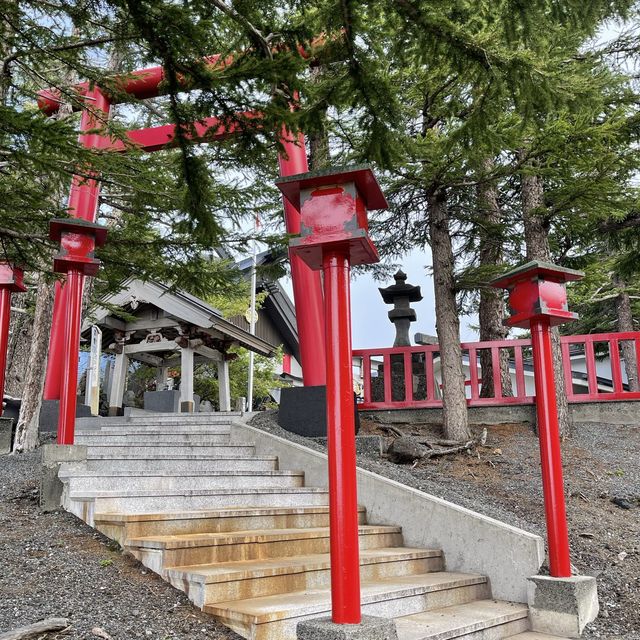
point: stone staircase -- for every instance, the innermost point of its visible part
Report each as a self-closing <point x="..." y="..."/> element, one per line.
<point x="249" y="543"/>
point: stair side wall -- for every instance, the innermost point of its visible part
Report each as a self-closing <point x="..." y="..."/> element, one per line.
<point x="471" y="542"/>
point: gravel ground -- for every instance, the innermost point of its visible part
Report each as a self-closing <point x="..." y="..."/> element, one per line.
<point x="502" y="480"/>
<point x="53" y="565"/>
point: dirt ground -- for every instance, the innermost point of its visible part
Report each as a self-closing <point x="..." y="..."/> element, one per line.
<point x="601" y="469"/>
<point x="53" y="565"/>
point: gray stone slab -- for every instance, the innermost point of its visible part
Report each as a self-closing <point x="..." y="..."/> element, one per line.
<point x="371" y="628"/>
<point x="6" y="435"/>
<point x="562" y="606"/>
<point x="53" y="456"/>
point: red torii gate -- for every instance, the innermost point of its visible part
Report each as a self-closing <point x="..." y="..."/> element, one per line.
<point x="78" y="240"/>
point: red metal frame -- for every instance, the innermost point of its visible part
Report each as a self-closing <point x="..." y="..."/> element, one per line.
<point x="592" y="394"/>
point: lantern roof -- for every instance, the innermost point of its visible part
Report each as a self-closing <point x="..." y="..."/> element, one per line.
<point x="536" y="269"/>
<point x="360" y="174"/>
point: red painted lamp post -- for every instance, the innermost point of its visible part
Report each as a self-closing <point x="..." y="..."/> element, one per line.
<point x="11" y="279"/>
<point x="77" y="238"/>
<point x="538" y="301"/>
<point x="83" y="204"/>
<point x="334" y="235"/>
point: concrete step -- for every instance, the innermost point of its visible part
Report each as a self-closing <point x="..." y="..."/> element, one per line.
<point x="207" y="584"/>
<point x="129" y="428"/>
<point x="85" y="480"/>
<point x="162" y="418"/>
<point x="478" y="620"/>
<point x="123" y="526"/>
<point x="161" y="552"/>
<point x="168" y="450"/>
<point x="154" y="437"/>
<point x="181" y="464"/>
<point x="85" y="504"/>
<point x="271" y="617"/>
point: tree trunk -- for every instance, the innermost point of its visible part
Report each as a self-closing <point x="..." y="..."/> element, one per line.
<point x="455" y="423"/>
<point x="26" y="437"/>
<point x="625" y="323"/>
<point x="19" y="345"/>
<point x="491" y="307"/>
<point x="536" y="236"/>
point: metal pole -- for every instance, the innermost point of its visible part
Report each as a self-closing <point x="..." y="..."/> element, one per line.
<point x="252" y="326"/>
<point x="5" y="316"/>
<point x="343" y="498"/>
<point x="83" y="204"/>
<point x="307" y="285"/>
<point x="69" y="387"/>
<point x="550" y="454"/>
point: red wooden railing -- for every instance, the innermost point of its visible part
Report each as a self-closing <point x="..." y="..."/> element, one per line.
<point x="415" y="379"/>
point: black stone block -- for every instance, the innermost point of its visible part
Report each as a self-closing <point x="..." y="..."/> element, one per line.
<point x="49" y="414"/>
<point x="303" y="410"/>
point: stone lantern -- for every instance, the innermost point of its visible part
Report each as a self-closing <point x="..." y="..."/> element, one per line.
<point x="400" y="295"/>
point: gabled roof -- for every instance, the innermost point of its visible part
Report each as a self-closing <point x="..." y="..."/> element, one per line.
<point x="179" y="305"/>
<point x="278" y="304"/>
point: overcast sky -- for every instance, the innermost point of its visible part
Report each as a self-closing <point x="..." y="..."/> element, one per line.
<point x="369" y="321"/>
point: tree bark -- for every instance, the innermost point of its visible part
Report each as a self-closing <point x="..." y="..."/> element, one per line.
<point x="455" y="418"/>
<point x="536" y="236"/>
<point x="625" y="323"/>
<point x="491" y="308"/>
<point x="19" y="345"/>
<point x="26" y="437"/>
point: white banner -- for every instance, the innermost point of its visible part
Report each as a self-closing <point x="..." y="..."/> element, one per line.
<point x="92" y="393"/>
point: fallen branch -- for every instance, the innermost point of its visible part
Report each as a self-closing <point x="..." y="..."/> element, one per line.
<point x="445" y="452"/>
<point x="396" y="431"/>
<point x="44" y="626"/>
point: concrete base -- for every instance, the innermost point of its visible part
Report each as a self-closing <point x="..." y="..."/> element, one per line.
<point x="303" y="410"/>
<point x="49" y="414"/>
<point x="6" y="435"/>
<point x="610" y="412"/>
<point x="370" y="628"/>
<point x="562" y="606"/>
<point x="54" y="455"/>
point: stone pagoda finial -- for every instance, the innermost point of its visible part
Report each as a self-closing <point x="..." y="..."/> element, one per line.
<point x="402" y="315"/>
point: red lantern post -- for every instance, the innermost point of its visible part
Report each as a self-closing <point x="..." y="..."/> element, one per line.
<point x="333" y="209"/>
<point x="11" y="279"/>
<point x="77" y="238"/>
<point x="83" y="204"/>
<point x="538" y="301"/>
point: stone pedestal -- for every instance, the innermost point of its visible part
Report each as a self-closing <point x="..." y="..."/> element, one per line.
<point x="50" y="409"/>
<point x="371" y="628"/>
<point x="53" y="456"/>
<point x="6" y="435"/>
<point x="562" y="606"/>
<point x="303" y="410"/>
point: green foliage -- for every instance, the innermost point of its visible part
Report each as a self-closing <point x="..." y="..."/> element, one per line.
<point x="264" y="378"/>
